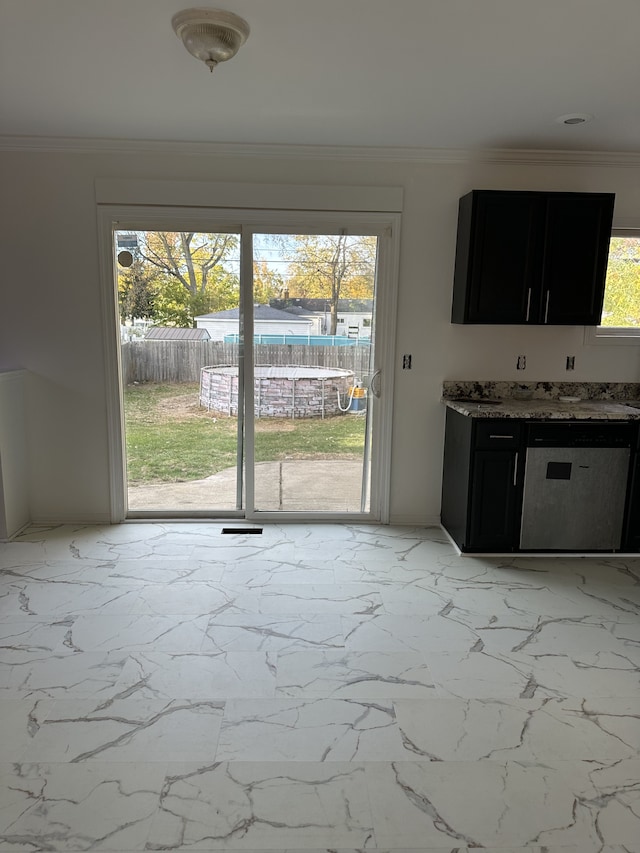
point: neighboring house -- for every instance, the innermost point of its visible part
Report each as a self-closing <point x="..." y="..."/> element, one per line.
<point x="314" y="317"/>
<point x="170" y="333"/>
<point x="354" y="315"/>
<point x="266" y="321"/>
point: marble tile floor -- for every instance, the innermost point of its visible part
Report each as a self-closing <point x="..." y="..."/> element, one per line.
<point x="316" y="688"/>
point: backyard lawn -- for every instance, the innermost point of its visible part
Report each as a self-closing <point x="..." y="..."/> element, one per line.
<point x="170" y="438"/>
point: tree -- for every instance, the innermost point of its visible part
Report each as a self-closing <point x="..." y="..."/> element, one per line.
<point x="172" y="306"/>
<point x="137" y="290"/>
<point x="195" y="261"/>
<point x="622" y="290"/>
<point x="330" y="267"/>
<point x="267" y="284"/>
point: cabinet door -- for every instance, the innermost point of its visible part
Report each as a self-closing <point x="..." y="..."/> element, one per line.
<point x="577" y="234"/>
<point x="455" y="475"/>
<point x="493" y="506"/>
<point x="496" y="266"/>
<point x="632" y="521"/>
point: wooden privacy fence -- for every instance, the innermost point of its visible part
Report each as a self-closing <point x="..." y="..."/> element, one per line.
<point x="182" y="361"/>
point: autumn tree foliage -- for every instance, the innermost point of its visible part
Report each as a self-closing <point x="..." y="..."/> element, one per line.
<point x="331" y="267"/>
<point x="137" y="290"/>
<point x="195" y="273"/>
<point x="178" y="275"/>
<point x="267" y="283"/>
<point x="622" y="291"/>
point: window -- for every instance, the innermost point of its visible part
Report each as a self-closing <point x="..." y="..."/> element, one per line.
<point x="621" y="308"/>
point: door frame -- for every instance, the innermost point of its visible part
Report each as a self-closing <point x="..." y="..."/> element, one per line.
<point x="385" y="225"/>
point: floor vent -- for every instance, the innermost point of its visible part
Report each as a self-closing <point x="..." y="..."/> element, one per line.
<point x="242" y="530"/>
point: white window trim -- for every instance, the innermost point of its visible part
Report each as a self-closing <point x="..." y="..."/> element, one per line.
<point x="219" y="195"/>
<point x="384" y="224"/>
<point x="615" y="335"/>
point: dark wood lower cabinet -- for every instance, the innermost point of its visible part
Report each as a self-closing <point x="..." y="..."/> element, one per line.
<point x="632" y="520"/>
<point x="484" y="478"/>
<point x="482" y="482"/>
<point x="493" y="501"/>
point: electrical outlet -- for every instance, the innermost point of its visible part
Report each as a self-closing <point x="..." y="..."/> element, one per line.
<point x="406" y="362"/>
<point x="571" y="362"/>
<point x="521" y="362"/>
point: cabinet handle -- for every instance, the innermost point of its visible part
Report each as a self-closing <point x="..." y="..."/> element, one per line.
<point x="501" y="436"/>
<point x="528" y="305"/>
<point x="515" y="470"/>
<point x="546" y="310"/>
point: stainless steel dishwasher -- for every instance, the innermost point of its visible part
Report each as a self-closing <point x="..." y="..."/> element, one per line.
<point x="575" y="486"/>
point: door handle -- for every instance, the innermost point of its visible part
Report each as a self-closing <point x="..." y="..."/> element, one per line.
<point x="528" y="305"/>
<point x="515" y="469"/>
<point x="373" y="385"/>
<point x="546" y="309"/>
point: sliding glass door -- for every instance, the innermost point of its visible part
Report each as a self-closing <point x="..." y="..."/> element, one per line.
<point x="249" y="369"/>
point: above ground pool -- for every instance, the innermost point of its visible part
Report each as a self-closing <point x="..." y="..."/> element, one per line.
<point x="293" y="391"/>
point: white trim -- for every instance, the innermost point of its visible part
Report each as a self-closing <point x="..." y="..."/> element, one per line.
<point x="384" y="353"/>
<point x="16" y="533"/>
<point x="211" y="194"/>
<point x="126" y="217"/>
<point x="415" y="521"/>
<point x="395" y="154"/>
<point x="622" y="226"/>
<point x="283" y="517"/>
<point x="385" y="225"/>
<point x="247" y="365"/>
<point x="112" y="368"/>
<point x="184" y="515"/>
<point x="611" y="336"/>
<point x="52" y="519"/>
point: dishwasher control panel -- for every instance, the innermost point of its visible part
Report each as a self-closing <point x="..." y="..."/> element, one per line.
<point x="572" y="434"/>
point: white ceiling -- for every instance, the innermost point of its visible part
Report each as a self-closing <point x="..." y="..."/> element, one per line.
<point x="425" y="73"/>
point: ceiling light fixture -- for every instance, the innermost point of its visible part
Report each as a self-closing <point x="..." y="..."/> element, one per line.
<point x="210" y="35"/>
<point x="574" y="118"/>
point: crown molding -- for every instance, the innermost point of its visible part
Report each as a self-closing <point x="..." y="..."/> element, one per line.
<point x="391" y="154"/>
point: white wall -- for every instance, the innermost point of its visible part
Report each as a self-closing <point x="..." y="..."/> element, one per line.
<point x="50" y="319"/>
<point x="14" y="497"/>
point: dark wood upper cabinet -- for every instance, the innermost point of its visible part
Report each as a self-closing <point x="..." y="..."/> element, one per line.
<point x="532" y="258"/>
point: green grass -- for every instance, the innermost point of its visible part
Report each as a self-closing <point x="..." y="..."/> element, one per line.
<point x="171" y="439"/>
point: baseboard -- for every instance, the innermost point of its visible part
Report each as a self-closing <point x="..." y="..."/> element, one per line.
<point x="415" y="521"/>
<point x="15" y="533"/>
<point x="98" y="518"/>
<point x="50" y="520"/>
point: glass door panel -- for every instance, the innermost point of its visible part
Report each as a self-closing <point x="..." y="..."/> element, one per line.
<point x="313" y="356"/>
<point x="178" y="298"/>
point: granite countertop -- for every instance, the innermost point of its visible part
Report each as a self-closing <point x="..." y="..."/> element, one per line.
<point x="599" y="401"/>
<point x="585" y="410"/>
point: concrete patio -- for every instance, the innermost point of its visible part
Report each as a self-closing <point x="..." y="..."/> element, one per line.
<point x="292" y="486"/>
